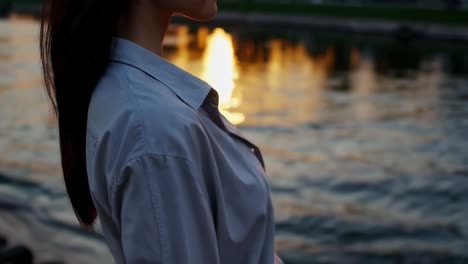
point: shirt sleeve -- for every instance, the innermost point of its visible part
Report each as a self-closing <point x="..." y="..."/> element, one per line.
<point x="163" y="215"/>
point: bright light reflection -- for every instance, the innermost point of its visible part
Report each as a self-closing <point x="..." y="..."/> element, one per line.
<point x="220" y="71"/>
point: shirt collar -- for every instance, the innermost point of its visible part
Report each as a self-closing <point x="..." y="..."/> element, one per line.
<point x="186" y="86"/>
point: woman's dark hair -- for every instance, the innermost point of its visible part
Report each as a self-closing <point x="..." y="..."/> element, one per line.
<point x="76" y="42"/>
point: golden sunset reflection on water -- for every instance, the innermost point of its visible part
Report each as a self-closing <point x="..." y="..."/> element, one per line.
<point x="221" y="72"/>
<point x="253" y="81"/>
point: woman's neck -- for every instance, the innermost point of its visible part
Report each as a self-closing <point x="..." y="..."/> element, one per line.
<point x="145" y="27"/>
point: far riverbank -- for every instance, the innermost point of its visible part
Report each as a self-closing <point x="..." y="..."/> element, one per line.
<point x="407" y="24"/>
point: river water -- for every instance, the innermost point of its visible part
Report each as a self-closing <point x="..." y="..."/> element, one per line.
<point x="365" y="140"/>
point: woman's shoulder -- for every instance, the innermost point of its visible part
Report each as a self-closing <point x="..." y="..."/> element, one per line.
<point x="136" y="114"/>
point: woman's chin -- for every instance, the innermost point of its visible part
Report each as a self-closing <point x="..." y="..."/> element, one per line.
<point x="204" y="15"/>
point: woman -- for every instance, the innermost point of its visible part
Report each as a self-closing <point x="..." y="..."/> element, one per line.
<point x="143" y="144"/>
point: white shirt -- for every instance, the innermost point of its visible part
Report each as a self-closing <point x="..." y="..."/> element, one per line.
<point x="172" y="180"/>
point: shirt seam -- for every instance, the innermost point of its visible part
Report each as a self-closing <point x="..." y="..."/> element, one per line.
<point x="131" y="97"/>
<point x="116" y="180"/>
<point x="91" y="132"/>
<point x="138" y="125"/>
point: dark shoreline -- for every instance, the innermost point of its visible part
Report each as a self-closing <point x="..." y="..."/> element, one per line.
<point x="400" y="29"/>
<point x="409" y="30"/>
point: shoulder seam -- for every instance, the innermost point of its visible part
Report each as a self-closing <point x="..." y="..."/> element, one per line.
<point x="139" y="123"/>
<point x="115" y="180"/>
